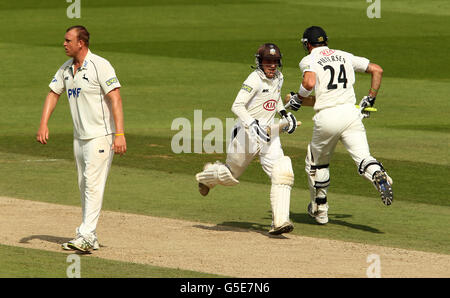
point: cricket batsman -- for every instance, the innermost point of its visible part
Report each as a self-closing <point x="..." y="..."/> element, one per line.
<point x="92" y="90"/>
<point x="330" y="73"/>
<point x="255" y="106"/>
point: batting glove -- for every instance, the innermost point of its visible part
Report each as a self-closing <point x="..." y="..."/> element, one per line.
<point x="292" y="123"/>
<point x="260" y="133"/>
<point x="367" y="101"/>
<point x="294" y="102"/>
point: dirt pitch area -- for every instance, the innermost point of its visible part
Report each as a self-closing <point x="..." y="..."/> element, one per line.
<point x="207" y="247"/>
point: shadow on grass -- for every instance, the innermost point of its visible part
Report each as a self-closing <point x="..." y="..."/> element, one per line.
<point x="154" y="153"/>
<point x="333" y="219"/>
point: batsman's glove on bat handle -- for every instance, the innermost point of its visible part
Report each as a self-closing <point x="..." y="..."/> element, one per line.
<point x="291" y="120"/>
<point x="367" y="101"/>
<point x="294" y="102"/>
<point x="260" y="133"/>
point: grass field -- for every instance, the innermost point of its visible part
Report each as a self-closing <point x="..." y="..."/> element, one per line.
<point x="174" y="57"/>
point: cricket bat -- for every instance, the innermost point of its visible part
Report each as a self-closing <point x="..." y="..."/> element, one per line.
<point x="367" y="109"/>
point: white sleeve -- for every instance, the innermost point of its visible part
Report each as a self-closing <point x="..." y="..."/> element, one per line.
<point x="305" y="65"/>
<point x="57" y="83"/>
<point x="248" y="90"/>
<point x="107" y="77"/>
<point x="360" y="64"/>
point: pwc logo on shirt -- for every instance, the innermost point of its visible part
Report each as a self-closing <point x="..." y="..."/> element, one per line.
<point x="74" y="92"/>
<point x="270" y="105"/>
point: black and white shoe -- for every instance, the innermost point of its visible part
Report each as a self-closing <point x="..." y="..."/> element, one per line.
<point x="383" y="185"/>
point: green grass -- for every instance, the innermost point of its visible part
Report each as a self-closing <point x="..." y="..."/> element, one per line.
<point x="173" y="57"/>
<point x="357" y="218"/>
<point x="19" y="262"/>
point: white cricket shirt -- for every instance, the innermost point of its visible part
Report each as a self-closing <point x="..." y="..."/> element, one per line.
<point x="91" y="110"/>
<point x="259" y="98"/>
<point x="335" y="75"/>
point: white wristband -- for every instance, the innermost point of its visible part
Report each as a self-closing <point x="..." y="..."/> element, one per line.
<point x="303" y="92"/>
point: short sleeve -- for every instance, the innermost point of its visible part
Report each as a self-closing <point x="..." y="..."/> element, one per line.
<point x="107" y="77"/>
<point x="360" y="64"/>
<point x="57" y="83"/>
<point x="305" y="65"/>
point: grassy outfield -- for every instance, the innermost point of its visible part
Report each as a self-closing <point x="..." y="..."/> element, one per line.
<point x="18" y="262"/>
<point x="174" y="57"/>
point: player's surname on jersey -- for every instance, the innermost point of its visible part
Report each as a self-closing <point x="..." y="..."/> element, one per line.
<point x="330" y="59"/>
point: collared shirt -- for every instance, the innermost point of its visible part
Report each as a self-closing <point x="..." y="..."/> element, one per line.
<point x="259" y="98"/>
<point x="335" y="75"/>
<point x="86" y="89"/>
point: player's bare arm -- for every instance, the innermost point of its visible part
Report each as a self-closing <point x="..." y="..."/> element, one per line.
<point x="49" y="106"/>
<point x="308" y="83"/>
<point x="120" y="144"/>
<point x="377" y="72"/>
<point x="308" y="101"/>
<point x="303" y="98"/>
<point x="368" y="101"/>
<point x="309" y="80"/>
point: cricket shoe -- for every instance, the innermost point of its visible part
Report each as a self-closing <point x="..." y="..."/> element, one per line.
<point x="96" y="245"/>
<point x="287" y="227"/>
<point x="383" y="184"/>
<point x="319" y="212"/>
<point x="81" y="243"/>
<point x="203" y="189"/>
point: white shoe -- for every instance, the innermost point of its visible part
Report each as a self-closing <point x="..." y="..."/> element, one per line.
<point x="319" y="212"/>
<point x="96" y="245"/>
<point x="81" y="243"/>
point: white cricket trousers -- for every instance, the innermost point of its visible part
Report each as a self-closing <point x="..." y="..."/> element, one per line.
<point x="93" y="159"/>
<point x="341" y="123"/>
<point x="243" y="149"/>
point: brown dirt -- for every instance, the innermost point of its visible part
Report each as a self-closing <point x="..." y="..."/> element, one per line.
<point x="206" y="247"/>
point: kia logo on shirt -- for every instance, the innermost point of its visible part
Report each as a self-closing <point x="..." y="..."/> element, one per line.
<point x="269" y="105"/>
<point x="75" y="92"/>
<point x="327" y="52"/>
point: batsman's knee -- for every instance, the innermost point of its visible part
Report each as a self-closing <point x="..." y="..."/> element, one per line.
<point x="282" y="172"/>
<point x="321" y="176"/>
